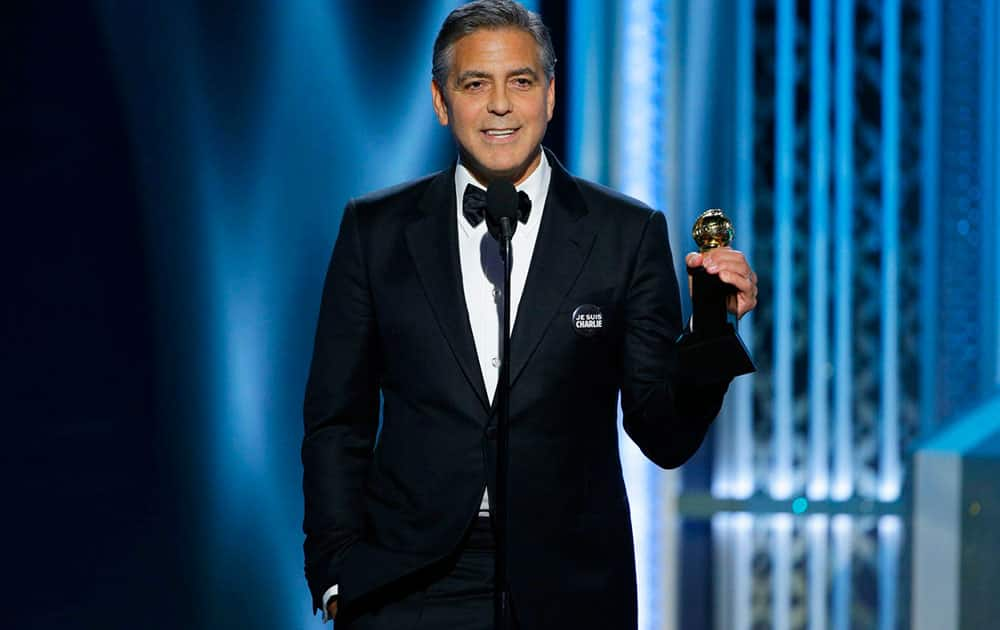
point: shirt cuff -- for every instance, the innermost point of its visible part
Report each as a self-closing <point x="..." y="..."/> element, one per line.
<point x="327" y="596"/>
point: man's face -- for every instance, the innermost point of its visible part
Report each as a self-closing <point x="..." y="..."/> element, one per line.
<point x="497" y="103"/>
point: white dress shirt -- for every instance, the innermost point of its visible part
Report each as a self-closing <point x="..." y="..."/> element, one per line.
<point x="482" y="272"/>
<point x="482" y="280"/>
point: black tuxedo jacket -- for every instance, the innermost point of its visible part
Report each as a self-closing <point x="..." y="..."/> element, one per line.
<point x="384" y="499"/>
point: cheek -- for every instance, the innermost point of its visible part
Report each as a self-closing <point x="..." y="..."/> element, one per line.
<point x="468" y="122"/>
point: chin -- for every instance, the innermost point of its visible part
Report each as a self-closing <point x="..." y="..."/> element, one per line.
<point x="507" y="169"/>
<point x="504" y="166"/>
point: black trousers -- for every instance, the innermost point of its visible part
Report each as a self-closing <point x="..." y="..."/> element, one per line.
<point x="455" y="594"/>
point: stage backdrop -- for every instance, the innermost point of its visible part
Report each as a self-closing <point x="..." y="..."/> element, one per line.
<point x="211" y="148"/>
<point x="853" y="142"/>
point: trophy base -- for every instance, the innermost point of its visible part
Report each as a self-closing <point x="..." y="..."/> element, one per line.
<point x="715" y="359"/>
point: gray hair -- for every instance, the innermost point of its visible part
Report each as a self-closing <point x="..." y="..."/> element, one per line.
<point x="489" y="14"/>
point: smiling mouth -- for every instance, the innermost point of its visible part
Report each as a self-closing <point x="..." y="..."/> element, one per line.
<point x="499" y="133"/>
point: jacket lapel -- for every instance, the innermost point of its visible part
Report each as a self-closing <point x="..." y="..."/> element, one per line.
<point x="433" y="242"/>
<point x="564" y="241"/>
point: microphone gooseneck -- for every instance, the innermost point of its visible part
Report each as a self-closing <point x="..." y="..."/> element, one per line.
<point x="501" y="221"/>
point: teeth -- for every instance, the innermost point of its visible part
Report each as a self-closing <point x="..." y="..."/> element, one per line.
<point x="499" y="132"/>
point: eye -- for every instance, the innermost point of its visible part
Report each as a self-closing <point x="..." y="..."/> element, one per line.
<point x="473" y="86"/>
<point x="522" y="82"/>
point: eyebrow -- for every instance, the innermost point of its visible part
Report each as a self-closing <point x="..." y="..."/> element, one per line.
<point x="479" y="74"/>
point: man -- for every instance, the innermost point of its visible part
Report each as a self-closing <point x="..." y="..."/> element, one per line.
<point x="397" y="519"/>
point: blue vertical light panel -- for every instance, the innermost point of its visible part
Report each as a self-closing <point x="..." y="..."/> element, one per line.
<point x="586" y="71"/>
<point x="842" y="486"/>
<point x="840" y="591"/>
<point x="994" y="35"/>
<point x="781" y="571"/>
<point x="817" y="532"/>
<point x="637" y="171"/>
<point x="819" y="465"/>
<point x="889" y="546"/>
<point x="740" y="478"/>
<point x="990" y="241"/>
<point x="732" y="563"/>
<point x="889" y="464"/>
<point x="784" y="208"/>
<point x="930" y="198"/>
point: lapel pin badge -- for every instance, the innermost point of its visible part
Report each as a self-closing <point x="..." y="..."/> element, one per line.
<point x="587" y="320"/>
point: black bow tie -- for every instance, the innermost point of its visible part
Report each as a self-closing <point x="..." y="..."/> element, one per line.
<point x="474" y="205"/>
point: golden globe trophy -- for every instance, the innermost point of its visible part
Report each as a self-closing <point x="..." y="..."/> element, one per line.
<point x="712" y="351"/>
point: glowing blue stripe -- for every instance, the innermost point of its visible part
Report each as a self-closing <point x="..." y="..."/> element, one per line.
<point x="721" y="569"/>
<point x="889" y="542"/>
<point x="637" y="171"/>
<point x="929" y="233"/>
<point x="989" y="93"/>
<point x="740" y="479"/>
<point x="819" y="187"/>
<point x="587" y="107"/>
<point x="742" y="593"/>
<point x="781" y="571"/>
<point x="840" y="591"/>
<point x="995" y="176"/>
<point x="843" y="468"/>
<point x="732" y="560"/>
<point x="781" y="480"/>
<point x="817" y="580"/>
<point x="889" y="466"/>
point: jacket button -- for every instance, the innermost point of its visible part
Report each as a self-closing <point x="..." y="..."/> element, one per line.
<point x="491" y="432"/>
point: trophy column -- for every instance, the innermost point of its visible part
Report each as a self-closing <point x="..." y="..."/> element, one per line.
<point x="712" y="350"/>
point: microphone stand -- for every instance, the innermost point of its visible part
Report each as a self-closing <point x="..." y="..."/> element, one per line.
<point x="501" y="610"/>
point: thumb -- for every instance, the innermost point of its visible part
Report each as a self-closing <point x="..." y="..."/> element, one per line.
<point x="693" y="259"/>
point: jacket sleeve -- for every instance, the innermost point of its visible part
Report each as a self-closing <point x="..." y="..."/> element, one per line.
<point x="341" y="412"/>
<point x="667" y="420"/>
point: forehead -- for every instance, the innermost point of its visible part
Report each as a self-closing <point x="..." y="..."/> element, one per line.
<point x="496" y="50"/>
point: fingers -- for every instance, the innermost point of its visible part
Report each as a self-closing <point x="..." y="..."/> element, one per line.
<point x="732" y="268"/>
<point x="723" y="257"/>
<point x="743" y="283"/>
<point x="730" y="265"/>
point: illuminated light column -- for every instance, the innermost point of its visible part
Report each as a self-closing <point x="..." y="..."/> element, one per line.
<point x="741" y="525"/>
<point x="722" y="570"/>
<point x="994" y="177"/>
<point x="990" y="94"/>
<point x="889" y="542"/>
<point x="732" y="537"/>
<point x="732" y="463"/>
<point x="840" y="592"/>
<point x="817" y="530"/>
<point x="781" y="571"/>
<point x="637" y="171"/>
<point x="842" y="486"/>
<point x="784" y="207"/>
<point x="819" y="188"/>
<point x="930" y="199"/>
<point x="588" y="109"/>
<point x="889" y="465"/>
<point x="740" y="479"/>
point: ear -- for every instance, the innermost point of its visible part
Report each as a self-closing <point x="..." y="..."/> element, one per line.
<point x="440" y="104"/>
<point x="551" y="97"/>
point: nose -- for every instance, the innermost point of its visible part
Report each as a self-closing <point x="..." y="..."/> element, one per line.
<point x="498" y="103"/>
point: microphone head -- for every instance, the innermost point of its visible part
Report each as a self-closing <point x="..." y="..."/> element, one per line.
<point x="501" y="203"/>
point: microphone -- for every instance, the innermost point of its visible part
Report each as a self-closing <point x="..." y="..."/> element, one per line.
<point x="501" y="221"/>
<point x="501" y="210"/>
